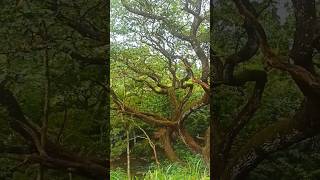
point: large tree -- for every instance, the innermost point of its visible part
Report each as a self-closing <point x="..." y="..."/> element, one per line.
<point x="234" y="157"/>
<point x="171" y="62"/>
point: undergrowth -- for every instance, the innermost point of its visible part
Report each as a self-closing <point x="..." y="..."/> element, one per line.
<point x="194" y="168"/>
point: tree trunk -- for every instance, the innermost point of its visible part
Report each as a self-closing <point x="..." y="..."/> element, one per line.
<point x="128" y="154"/>
<point x="166" y="141"/>
<point x="206" y="149"/>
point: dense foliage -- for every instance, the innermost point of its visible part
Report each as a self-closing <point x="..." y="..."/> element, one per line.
<point x="53" y="105"/>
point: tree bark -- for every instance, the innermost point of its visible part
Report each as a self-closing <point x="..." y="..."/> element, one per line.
<point x="166" y="141"/>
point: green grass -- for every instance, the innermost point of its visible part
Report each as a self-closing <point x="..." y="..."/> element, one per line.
<point x="118" y="174"/>
<point x="193" y="169"/>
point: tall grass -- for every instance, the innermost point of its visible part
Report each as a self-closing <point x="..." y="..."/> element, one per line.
<point x="193" y="169"/>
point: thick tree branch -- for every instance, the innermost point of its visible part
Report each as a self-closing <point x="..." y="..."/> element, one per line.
<point x="185" y="136"/>
<point x="189" y="141"/>
<point x="17" y="120"/>
<point x="149" y="118"/>
<point x="247" y="112"/>
<point x="307" y="82"/>
<point x="81" y="166"/>
<point x="246" y="52"/>
<point x="52" y="155"/>
<point x="275" y="137"/>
